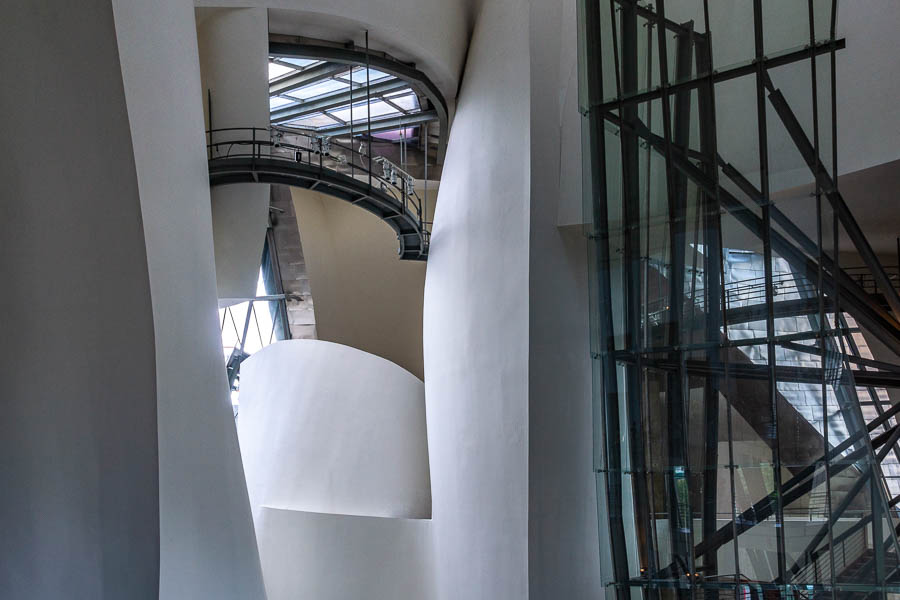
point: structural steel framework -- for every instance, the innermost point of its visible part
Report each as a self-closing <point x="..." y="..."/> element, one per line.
<point x="744" y="428"/>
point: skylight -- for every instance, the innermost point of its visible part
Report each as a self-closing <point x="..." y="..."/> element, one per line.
<point x="324" y="102"/>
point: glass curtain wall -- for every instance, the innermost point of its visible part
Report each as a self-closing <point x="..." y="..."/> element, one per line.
<point x="743" y="426"/>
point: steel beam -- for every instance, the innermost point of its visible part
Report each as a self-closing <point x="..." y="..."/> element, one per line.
<point x="827" y="184"/>
<point x="299" y="47"/>
<point x="723" y="75"/>
<point x="309" y="76"/>
<point x="383" y="124"/>
<point x="334" y="100"/>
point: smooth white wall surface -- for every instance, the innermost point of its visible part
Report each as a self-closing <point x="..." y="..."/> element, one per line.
<point x="79" y="507"/>
<point x="366" y="297"/>
<point x="208" y="545"/>
<point x="314" y="556"/>
<point x="563" y="545"/>
<point x="476" y="321"/>
<point x="234" y="51"/>
<point x="332" y="429"/>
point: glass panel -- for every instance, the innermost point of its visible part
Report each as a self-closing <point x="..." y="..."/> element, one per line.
<point x="409" y="102"/>
<point x="377" y="108"/>
<point x="742" y="454"/>
<point x="359" y="75"/>
<point x="300" y="62"/>
<point x="317" y="89"/>
<point x="313" y="121"/>
<point x="276" y="71"/>
<point x="279" y="102"/>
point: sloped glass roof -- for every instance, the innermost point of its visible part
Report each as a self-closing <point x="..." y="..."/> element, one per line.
<point x="316" y="95"/>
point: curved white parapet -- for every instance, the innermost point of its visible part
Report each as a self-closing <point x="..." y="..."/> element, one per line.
<point x="331" y="429"/>
<point x="314" y="556"/>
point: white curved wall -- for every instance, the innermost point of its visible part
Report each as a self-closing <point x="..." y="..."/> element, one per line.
<point x="365" y="296"/>
<point x="476" y="321"/>
<point x="315" y="556"/>
<point x="331" y="429"/>
<point x="79" y="511"/>
<point x="208" y="547"/>
<point x="336" y="457"/>
<point x="234" y="50"/>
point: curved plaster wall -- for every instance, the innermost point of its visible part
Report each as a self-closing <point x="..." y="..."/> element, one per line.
<point x="79" y="508"/>
<point x="365" y="296"/>
<point x="336" y="456"/>
<point x="331" y="429"/>
<point x="234" y="50"/>
<point x="316" y="556"/>
<point x="476" y="321"/>
<point x="432" y="33"/>
<point x="208" y="549"/>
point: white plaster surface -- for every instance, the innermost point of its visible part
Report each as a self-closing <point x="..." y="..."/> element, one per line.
<point x="476" y="321"/>
<point x="208" y="548"/>
<point x="365" y="296"/>
<point x="234" y="50"/>
<point x="79" y="506"/>
<point x="314" y="556"/>
<point x="332" y="429"/>
<point x="563" y="545"/>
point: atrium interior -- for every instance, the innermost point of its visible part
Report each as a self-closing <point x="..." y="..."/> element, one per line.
<point x="450" y="299"/>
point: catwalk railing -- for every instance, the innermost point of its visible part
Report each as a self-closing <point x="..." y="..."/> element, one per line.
<point x="321" y="163"/>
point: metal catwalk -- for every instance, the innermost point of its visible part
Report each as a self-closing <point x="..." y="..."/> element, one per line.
<point x="746" y="441"/>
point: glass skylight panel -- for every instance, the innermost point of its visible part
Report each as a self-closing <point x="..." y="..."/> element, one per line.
<point x="300" y="62"/>
<point x="378" y="108"/>
<point x="312" y="121"/>
<point x="276" y="71"/>
<point x="318" y="89"/>
<point x="408" y="102"/>
<point x="396" y="134"/>
<point x="278" y="102"/>
<point x="359" y="75"/>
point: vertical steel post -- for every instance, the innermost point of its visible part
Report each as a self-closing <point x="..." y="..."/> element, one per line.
<point x="611" y="460"/>
<point x="713" y="288"/>
<point x="627" y="75"/>
<point x="769" y="289"/>
<point x="368" y="111"/>
<point x="680" y="512"/>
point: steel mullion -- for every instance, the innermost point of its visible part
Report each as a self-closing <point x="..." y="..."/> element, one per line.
<point x="881" y="324"/>
<point x="590" y="32"/>
<point x="627" y="78"/>
<point x="726" y="74"/>
<point x="713" y="291"/>
<point x="677" y="386"/>
<point x="854" y="232"/>
<point x="799" y="485"/>
<point x="767" y="260"/>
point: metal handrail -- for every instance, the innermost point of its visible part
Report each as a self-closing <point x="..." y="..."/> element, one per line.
<point x="325" y="153"/>
<point x="751" y="291"/>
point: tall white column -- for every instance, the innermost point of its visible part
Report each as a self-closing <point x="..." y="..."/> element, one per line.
<point x="234" y="50"/>
<point x="476" y="322"/>
<point x="208" y="548"/>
